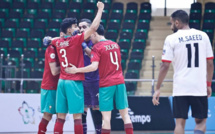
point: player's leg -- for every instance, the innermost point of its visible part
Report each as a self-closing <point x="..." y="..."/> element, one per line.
<point x="199" y="106"/>
<point x="84" y="120"/>
<point x="180" y="111"/>
<point x="61" y="107"/>
<point x="122" y="104"/>
<point x="106" y="127"/>
<point x="48" y="99"/>
<point x="96" y="114"/>
<point x="179" y="126"/>
<point x="106" y="95"/>
<point x="75" y="98"/>
<point x="97" y="119"/>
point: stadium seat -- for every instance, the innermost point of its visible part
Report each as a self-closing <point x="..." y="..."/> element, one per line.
<point x="38" y="40"/>
<point x="138" y="45"/>
<point x="131" y="15"/>
<point x="7" y="34"/>
<point x="54" y="24"/>
<point x="37" y="34"/>
<point x="114" y="25"/>
<point x="4" y="5"/>
<point x="131" y="87"/>
<point x="17" y="44"/>
<point x="196" y="8"/>
<point x="32" y="5"/>
<point x="136" y="54"/>
<point x="140" y="35"/>
<point x="52" y="33"/>
<point x="134" y="64"/>
<point x="14" y="53"/>
<point x="21" y="34"/>
<point x="9" y="40"/>
<point x="124" y="45"/>
<point x="131" y="75"/>
<point x="47" y="5"/>
<point x="116" y="15"/>
<point x="60" y="5"/>
<point x="126" y="35"/>
<point x="128" y="24"/>
<point x="41" y="54"/>
<point x="123" y="64"/>
<point x="74" y="13"/>
<point x="111" y="35"/>
<point x="58" y="15"/>
<point x="4" y="44"/>
<point x="117" y="5"/>
<point x="33" y="44"/>
<point x="39" y="64"/>
<point x="36" y="74"/>
<point x="32" y="87"/>
<point x="132" y="6"/>
<point x="124" y="54"/>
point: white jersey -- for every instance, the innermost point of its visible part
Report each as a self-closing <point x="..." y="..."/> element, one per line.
<point x="188" y="50"/>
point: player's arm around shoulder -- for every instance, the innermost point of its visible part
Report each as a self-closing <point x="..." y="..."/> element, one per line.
<point x="96" y="21"/>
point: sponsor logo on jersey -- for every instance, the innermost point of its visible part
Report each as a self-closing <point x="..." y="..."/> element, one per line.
<point x="27" y="113"/>
<point x="52" y="55"/>
<point x="136" y="118"/>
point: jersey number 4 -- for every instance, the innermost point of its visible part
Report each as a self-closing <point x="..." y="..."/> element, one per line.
<point x="112" y="61"/>
<point x="189" y="54"/>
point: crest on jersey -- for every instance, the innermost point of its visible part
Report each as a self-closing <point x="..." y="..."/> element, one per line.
<point x="52" y="55"/>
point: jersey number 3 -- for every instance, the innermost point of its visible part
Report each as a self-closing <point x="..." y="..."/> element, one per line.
<point x="112" y="61"/>
<point x="64" y="56"/>
<point x="189" y="54"/>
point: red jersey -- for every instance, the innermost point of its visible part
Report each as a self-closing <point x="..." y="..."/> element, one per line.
<point x="107" y="53"/>
<point x="69" y="51"/>
<point x="49" y="81"/>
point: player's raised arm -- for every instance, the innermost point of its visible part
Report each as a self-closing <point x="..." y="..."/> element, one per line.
<point x="96" y="21"/>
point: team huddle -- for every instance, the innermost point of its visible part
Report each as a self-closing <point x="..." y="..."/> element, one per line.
<point x="86" y="75"/>
<point x="83" y="70"/>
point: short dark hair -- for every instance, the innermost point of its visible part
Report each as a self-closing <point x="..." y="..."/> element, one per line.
<point x="180" y="15"/>
<point x="100" y="30"/>
<point x="86" y="20"/>
<point x="66" y="23"/>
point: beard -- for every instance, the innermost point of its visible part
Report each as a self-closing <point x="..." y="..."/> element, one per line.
<point x="175" y="29"/>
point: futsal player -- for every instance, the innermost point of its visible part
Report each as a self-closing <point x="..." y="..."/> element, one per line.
<point x="48" y="87"/>
<point x="190" y="52"/>
<point x="70" y="97"/>
<point x="91" y="83"/>
<point x="106" y="56"/>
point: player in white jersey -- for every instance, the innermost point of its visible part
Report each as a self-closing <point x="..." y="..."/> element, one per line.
<point x="191" y="55"/>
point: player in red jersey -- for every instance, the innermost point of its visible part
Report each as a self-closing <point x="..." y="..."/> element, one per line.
<point x="70" y="97"/>
<point x="48" y="87"/>
<point x="106" y="56"/>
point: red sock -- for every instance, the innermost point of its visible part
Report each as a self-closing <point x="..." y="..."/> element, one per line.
<point x="105" y="131"/>
<point x="128" y="128"/>
<point x="58" y="128"/>
<point x="78" y="126"/>
<point x="42" y="126"/>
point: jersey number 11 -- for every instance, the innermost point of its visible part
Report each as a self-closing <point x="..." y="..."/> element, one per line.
<point x="189" y="54"/>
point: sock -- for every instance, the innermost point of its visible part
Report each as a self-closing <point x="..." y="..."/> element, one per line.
<point x="105" y="131"/>
<point x="42" y="126"/>
<point x="128" y="128"/>
<point x="84" y="122"/>
<point x="78" y="126"/>
<point x="198" y="132"/>
<point x="97" y="119"/>
<point x="58" y="128"/>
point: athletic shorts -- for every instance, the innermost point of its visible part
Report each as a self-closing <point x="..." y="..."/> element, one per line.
<point x="70" y="97"/>
<point x="107" y="95"/>
<point x="48" y="101"/>
<point x="199" y="106"/>
<point x="91" y="92"/>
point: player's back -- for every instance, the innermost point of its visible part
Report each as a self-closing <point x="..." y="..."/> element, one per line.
<point x="109" y="57"/>
<point x="70" y="51"/>
<point x="49" y="81"/>
<point x="188" y="50"/>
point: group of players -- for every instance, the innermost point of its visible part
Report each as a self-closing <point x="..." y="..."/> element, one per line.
<point x="86" y="70"/>
<point x="83" y="70"/>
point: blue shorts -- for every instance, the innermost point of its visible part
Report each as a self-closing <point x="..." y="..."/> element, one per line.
<point x="91" y="92"/>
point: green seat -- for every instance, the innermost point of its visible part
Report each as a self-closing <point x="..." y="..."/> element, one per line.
<point x="145" y="11"/>
<point x="195" y="21"/>
<point x="92" y="1"/>
<point x="33" y="49"/>
<point x="112" y="30"/>
<point x="61" y="11"/>
<point x="104" y="22"/>
<point x="65" y="1"/>
<point x="22" y="39"/>
<point x="51" y="1"/>
<point x="117" y="11"/>
<point x="15" y="20"/>
<point x="144" y="21"/>
<point x="7" y="39"/>
<point x="142" y="30"/>
<point x="47" y="11"/>
<point x="209" y="11"/>
<point x="37" y="1"/>
<point x="32" y="11"/>
<point x="57" y="20"/>
<point x="5" y="10"/>
<point x="140" y="40"/>
<point x="17" y="49"/>
<point x="74" y="10"/>
<point x="2" y="21"/>
<point x="55" y="29"/>
<point x="209" y="21"/>
<point x="125" y="40"/>
<point x="5" y="50"/>
<point x="127" y="30"/>
<point x="16" y="60"/>
<point x="131" y="11"/>
<point x="31" y="60"/>
<point x="137" y="50"/>
<point x="37" y="39"/>
<point x="39" y="69"/>
<point x="115" y="20"/>
<point x="130" y="21"/>
<point x="21" y="11"/>
<point x="25" y="29"/>
<point x="123" y="64"/>
<point x="213" y="93"/>
<point x="195" y="11"/>
<point x="88" y="10"/>
<point x="78" y="1"/>
<point x="29" y="20"/>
